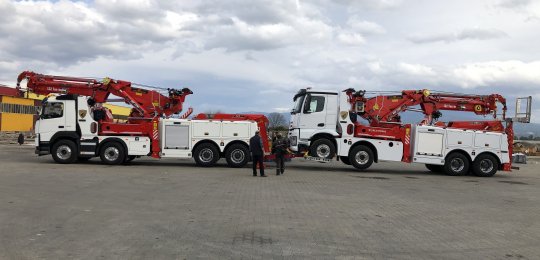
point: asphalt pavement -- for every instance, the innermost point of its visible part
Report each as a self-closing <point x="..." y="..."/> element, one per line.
<point x="172" y="209"/>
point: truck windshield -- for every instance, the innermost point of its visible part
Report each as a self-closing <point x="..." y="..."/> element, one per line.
<point x="298" y="104"/>
<point x="52" y="110"/>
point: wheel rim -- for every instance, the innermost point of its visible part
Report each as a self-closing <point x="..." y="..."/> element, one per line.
<point x="206" y="155"/>
<point x="457" y="164"/>
<point x="112" y="153"/>
<point x="361" y="157"/>
<point x="237" y="156"/>
<point x="63" y="152"/>
<point x="486" y="165"/>
<point x="323" y="151"/>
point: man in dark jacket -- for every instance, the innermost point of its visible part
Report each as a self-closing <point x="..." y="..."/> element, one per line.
<point x="20" y="139"/>
<point x="280" y="150"/>
<point x="257" y="153"/>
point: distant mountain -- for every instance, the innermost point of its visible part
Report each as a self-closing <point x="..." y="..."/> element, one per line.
<point x="527" y="129"/>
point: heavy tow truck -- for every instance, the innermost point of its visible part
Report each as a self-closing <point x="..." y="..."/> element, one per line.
<point x="359" y="129"/>
<point x="75" y="126"/>
<point x="351" y="126"/>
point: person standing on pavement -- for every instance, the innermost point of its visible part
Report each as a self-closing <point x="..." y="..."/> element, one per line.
<point x="257" y="153"/>
<point x="280" y="150"/>
<point x="274" y="139"/>
<point x="20" y="139"/>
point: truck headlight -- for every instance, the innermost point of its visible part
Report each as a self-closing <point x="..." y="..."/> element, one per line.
<point x="293" y="140"/>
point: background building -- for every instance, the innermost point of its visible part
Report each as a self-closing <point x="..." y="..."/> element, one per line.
<point x="16" y="113"/>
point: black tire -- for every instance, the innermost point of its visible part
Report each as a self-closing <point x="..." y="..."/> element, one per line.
<point x="345" y="160"/>
<point x="485" y="165"/>
<point x="112" y="153"/>
<point x="237" y="155"/>
<point x="361" y="157"/>
<point x="65" y="152"/>
<point x="206" y="155"/>
<point x="435" y="168"/>
<point x="456" y="164"/>
<point x="322" y="148"/>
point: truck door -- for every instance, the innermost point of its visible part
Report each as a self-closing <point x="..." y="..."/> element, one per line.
<point x="51" y="120"/>
<point x="313" y="116"/>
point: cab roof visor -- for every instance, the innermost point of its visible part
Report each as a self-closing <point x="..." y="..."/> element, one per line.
<point x="301" y="92"/>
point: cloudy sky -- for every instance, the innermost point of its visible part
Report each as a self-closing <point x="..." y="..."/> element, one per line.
<point x="252" y="55"/>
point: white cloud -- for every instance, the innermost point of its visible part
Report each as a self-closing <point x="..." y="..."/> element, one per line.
<point x="416" y="69"/>
<point x="499" y="73"/>
<point x="366" y="27"/>
<point x="373" y="4"/>
<point x="243" y="36"/>
<point x="376" y="67"/>
<point x="529" y="8"/>
<point x="514" y="3"/>
<point x="465" y="34"/>
<point x="351" y="38"/>
<point x="67" y="32"/>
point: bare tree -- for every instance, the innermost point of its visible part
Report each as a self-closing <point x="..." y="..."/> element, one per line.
<point x="276" y="120"/>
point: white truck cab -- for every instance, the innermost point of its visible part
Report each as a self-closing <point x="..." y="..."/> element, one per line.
<point x="314" y="117"/>
<point x="63" y="116"/>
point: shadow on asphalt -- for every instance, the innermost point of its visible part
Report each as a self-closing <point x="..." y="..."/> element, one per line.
<point x="372" y="173"/>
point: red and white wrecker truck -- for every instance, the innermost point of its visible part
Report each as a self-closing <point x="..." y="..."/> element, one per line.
<point x="75" y="126"/>
<point x="360" y="130"/>
<point x="351" y="126"/>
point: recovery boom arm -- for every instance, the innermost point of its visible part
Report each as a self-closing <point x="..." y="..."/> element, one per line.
<point x="146" y="103"/>
<point x="382" y="109"/>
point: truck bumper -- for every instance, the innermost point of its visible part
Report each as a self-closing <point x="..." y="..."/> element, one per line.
<point x="295" y="143"/>
<point x="298" y="146"/>
<point x="43" y="148"/>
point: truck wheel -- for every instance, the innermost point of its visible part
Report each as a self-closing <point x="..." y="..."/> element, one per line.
<point x="206" y="155"/>
<point x="112" y="153"/>
<point x="485" y="165"/>
<point x="456" y="164"/>
<point x="435" y="167"/>
<point x="361" y="157"/>
<point x="64" y="151"/>
<point x="345" y="160"/>
<point x="237" y="155"/>
<point x="322" y="148"/>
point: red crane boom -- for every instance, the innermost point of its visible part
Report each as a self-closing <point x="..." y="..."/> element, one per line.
<point x="382" y="109"/>
<point x="146" y="103"/>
